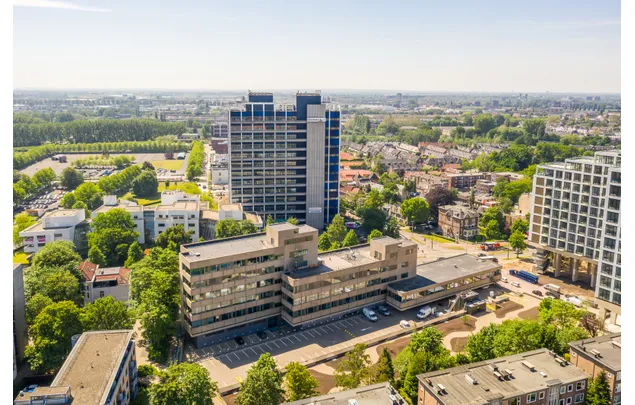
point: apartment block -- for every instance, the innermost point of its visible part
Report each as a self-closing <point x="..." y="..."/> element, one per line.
<point x="376" y="394"/>
<point x="575" y="224"/>
<point x="458" y="222"/>
<point x="602" y="353"/>
<point x="538" y="377"/>
<point x="220" y="129"/>
<point x="248" y="283"/>
<point x="98" y="282"/>
<point x="57" y="225"/>
<point x="101" y="369"/>
<point x="284" y="159"/>
<point x="462" y="181"/>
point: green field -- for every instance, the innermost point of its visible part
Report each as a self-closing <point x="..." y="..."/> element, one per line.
<point x="168" y="164"/>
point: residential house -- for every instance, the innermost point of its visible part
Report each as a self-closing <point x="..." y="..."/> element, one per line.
<point x="458" y="222"/>
<point x="98" y="282"/>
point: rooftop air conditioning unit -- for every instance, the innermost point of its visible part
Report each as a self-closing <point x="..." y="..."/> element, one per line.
<point x="470" y="379"/>
<point x="528" y="365"/>
<point x="441" y="389"/>
<point x="595" y="352"/>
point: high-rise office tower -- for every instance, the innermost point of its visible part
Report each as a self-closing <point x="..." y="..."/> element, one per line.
<point x="575" y="219"/>
<point x="284" y="158"/>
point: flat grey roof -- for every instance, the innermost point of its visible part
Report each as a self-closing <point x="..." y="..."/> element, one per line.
<point x="444" y="270"/>
<point x="337" y="260"/>
<point x="609" y="346"/>
<point x="378" y="394"/>
<point x="459" y="391"/>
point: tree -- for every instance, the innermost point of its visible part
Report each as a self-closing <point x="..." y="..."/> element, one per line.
<point x="51" y="334"/>
<point x="383" y="371"/>
<point x="110" y="230"/>
<point x="559" y="313"/>
<point x="19" y="194"/>
<point x="336" y="230"/>
<point x="89" y="194"/>
<point x="517" y="336"/>
<point x="375" y="233"/>
<point x="599" y="391"/>
<point x="353" y="371"/>
<point x="293" y="221"/>
<point x="299" y="383"/>
<point x="483" y="123"/>
<point x="471" y="199"/>
<point x="391" y="228"/>
<point x="492" y="223"/>
<point x="59" y="255"/>
<point x="146" y="184"/>
<point x="372" y="218"/>
<point x="80" y="205"/>
<point x="350" y="239"/>
<point x="270" y="220"/>
<point x="263" y="384"/>
<point x="96" y="257"/>
<point x="324" y="242"/>
<point x="480" y="345"/>
<point x="147" y="165"/>
<point x="590" y="323"/>
<point x="227" y="228"/>
<point x="20" y="223"/>
<point x="439" y="197"/>
<point x="106" y="314"/>
<point x="174" y="236"/>
<point x="61" y="286"/>
<point x="373" y="199"/>
<point x="184" y="384"/>
<point x="44" y="177"/>
<point x="68" y="200"/>
<point x="517" y="242"/>
<point x="35" y="305"/>
<point x="134" y="254"/>
<point x="415" y="210"/>
<point x="520" y="225"/>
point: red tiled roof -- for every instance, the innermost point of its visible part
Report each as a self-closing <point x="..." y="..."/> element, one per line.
<point x="88" y="270"/>
<point x="346" y="156"/>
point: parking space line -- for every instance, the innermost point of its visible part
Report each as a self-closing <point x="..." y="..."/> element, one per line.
<point x="237" y="358"/>
<point x="289" y="339"/>
<point x="259" y="347"/>
<point x="253" y="351"/>
<point x="311" y="334"/>
<point x="276" y="344"/>
<point x="282" y="341"/>
<point x="296" y="336"/>
<point x="326" y="332"/>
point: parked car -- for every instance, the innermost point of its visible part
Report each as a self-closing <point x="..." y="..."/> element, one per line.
<point x="404" y="324"/>
<point x="516" y="284"/>
<point x="262" y="335"/>
<point x="426" y="312"/>
<point x="504" y="280"/>
<point x="537" y="292"/>
<point x="384" y="310"/>
<point x="240" y="340"/>
<point x="485" y="287"/>
<point x="369" y="314"/>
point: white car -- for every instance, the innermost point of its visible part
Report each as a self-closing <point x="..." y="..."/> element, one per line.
<point x="504" y="280"/>
<point x="425" y="312"/>
<point x="369" y="314"/>
<point x="516" y="284"/>
<point x="404" y="324"/>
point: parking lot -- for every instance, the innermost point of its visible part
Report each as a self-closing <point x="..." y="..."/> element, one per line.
<point x="228" y="362"/>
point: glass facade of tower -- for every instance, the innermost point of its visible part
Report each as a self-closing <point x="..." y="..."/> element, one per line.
<point x="272" y="158"/>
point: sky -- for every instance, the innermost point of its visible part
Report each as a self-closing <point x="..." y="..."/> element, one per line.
<point x="460" y="45"/>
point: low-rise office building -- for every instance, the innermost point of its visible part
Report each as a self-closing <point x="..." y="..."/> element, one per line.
<point x="101" y="370"/>
<point x="537" y="377"/>
<point x="441" y="279"/>
<point x="377" y="394"/>
<point x="57" y="225"/>
<point x="248" y="283"/>
<point x="458" y="222"/>
<point x="100" y="282"/>
<point x="601" y="353"/>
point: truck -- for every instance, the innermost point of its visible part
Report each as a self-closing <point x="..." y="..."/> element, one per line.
<point x="487" y="246"/>
<point x="552" y="287"/>
<point x="524" y="275"/>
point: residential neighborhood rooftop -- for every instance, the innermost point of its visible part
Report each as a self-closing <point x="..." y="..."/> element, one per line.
<point x="605" y="350"/>
<point x="378" y="394"/>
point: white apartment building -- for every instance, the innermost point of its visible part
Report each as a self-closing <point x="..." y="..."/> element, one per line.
<point x="57" y="225"/>
<point x="100" y="282"/>
<point x="575" y="219"/>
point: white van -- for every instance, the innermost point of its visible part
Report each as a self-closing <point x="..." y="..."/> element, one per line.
<point x="425" y="312"/>
<point x="369" y="314"/>
<point x="552" y="287"/>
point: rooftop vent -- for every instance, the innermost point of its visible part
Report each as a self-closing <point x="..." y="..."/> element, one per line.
<point x="470" y="379"/>
<point x="596" y="353"/>
<point x="429" y="382"/>
<point x="353" y="402"/>
<point x="493" y="367"/>
<point x="441" y="389"/>
<point x="527" y="364"/>
<point x="509" y="373"/>
<point x="542" y="373"/>
<point x="498" y="375"/>
<point x="561" y="361"/>
<point x="617" y="344"/>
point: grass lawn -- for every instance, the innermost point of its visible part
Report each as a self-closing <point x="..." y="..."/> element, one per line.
<point x="168" y="164"/>
<point x="438" y="238"/>
<point x="20" y="257"/>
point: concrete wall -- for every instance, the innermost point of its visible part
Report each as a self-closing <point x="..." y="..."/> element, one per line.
<point x="315" y="165"/>
<point x="19" y="319"/>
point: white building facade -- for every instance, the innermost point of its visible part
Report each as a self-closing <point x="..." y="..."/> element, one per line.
<point x="54" y="226"/>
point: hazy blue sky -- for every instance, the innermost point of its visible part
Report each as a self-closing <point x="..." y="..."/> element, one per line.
<point x="460" y="45"/>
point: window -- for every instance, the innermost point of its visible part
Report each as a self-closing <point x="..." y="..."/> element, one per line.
<point x="531" y="398"/>
<point x="515" y="401"/>
<point x="580" y="385"/>
<point x="404" y="264"/>
<point x="570" y="387"/>
<point x="563" y="389"/>
<point x="569" y="400"/>
<point x="609" y="375"/>
<point x="541" y="395"/>
<point x="101" y="294"/>
<point x="561" y="402"/>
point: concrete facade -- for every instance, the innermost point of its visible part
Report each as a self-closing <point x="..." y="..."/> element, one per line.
<point x="575" y="216"/>
<point x="54" y="226"/>
<point x="602" y="353"/>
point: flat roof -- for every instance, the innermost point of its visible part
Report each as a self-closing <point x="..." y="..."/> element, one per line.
<point x="378" y="394"/>
<point x="443" y="271"/>
<point x="609" y="346"/>
<point x="459" y="391"/>
<point x="61" y="213"/>
<point x="92" y="364"/>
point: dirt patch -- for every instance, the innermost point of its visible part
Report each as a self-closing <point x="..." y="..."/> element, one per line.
<point x="230" y="399"/>
<point x="395" y="346"/>
<point x="458" y="344"/>
<point x="507" y="307"/>
<point x="567" y="286"/>
<point x="327" y="382"/>
<point x="530" y="314"/>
